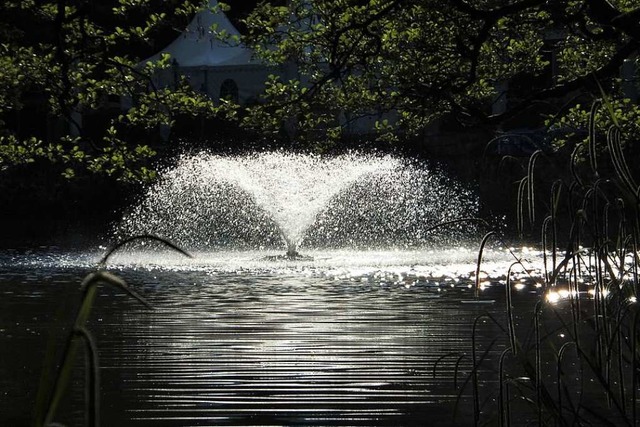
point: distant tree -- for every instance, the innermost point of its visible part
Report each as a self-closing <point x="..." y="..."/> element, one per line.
<point x="420" y="60"/>
<point x="66" y="58"/>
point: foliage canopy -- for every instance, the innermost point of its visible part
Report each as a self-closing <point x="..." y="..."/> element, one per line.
<point x="60" y="59"/>
<point x="401" y="64"/>
<point x="418" y="60"/>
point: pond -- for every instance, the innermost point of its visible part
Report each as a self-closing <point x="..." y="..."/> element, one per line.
<point x="348" y="338"/>
<point x="269" y="324"/>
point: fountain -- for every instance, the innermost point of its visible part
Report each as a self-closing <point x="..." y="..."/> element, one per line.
<point x="237" y="338"/>
<point x="270" y="199"/>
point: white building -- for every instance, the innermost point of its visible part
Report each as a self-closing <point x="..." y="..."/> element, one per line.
<point x="225" y="70"/>
<point x="213" y="66"/>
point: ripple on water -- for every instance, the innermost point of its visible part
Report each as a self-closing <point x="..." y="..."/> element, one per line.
<point x="347" y="339"/>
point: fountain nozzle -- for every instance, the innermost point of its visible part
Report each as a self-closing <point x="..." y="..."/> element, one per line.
<point x="292" y="253"/>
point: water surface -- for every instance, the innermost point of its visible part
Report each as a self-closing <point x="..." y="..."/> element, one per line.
<point x="350" y="338"/>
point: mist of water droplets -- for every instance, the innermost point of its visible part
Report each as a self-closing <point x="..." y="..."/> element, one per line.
<point x="275" y="199"/>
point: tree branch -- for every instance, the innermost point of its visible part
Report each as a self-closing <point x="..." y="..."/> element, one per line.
<point x="565" y="88"/>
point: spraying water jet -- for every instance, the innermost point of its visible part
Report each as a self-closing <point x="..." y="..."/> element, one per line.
<point x="269" y="200"/>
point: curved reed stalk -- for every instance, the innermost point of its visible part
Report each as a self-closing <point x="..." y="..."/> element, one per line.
<point x="600" y="193"/>
<point x="556" y="190"/>
<point x="635" y="347"/>
<point x="619" y="162"/>
<point x="636" y="263"/>
<point x="92" y="392"/>
<point x="522" y="187"/>
<point x="457" y="370"/>
<point x="593" y="160"/>
<point x="105" y="258"/>
<point x="510" y="319"/>
<point x="531" y="199"/>
<point x="503" y="403"/>
<point x="478" y="264"/>
<point x="538" y="360"/>
<point x="503" y="161"/>
<point x="574" y="298"/>
<point x="572" y="165"/>
<point x="477" y="363"/>
<point x="559" y="376"/>
<point x="456" y="367"/>
<point x="574" y="188"/>
<point x="622" y="231"/>
<point x="89" y="288"/>
<point x="545" y="226"/>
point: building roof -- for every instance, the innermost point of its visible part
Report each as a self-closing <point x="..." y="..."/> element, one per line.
<point x="197" y="46"/>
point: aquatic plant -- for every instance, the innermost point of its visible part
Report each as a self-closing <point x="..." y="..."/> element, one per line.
<point x="49" y="401"/>
<point x="574" y="359"/>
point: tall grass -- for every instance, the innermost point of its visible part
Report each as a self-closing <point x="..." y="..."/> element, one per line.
<point x="574" y="360"/>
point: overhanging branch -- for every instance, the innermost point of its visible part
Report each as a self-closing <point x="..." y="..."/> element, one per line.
<point x="566" y="88"/>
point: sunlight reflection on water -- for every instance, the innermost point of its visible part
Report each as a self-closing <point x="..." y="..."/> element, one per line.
<point x="459" y="262"/>
<point x="348" y="338"/>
